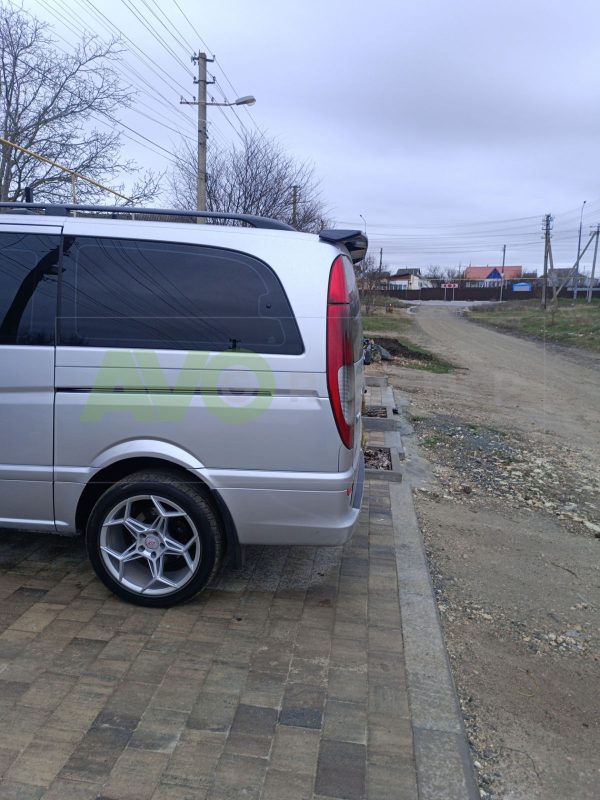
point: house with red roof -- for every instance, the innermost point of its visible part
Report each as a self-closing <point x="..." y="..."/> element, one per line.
<point x="491" y="276"/>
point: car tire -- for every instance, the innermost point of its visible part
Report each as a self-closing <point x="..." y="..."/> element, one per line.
<point x="154" y="539"/>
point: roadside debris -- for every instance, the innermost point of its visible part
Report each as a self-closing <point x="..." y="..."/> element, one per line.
<point x="373" y="352"/>
<point x="475" y="460"/>
<point x="375" y="411"/>
<point x="378" y="458"/>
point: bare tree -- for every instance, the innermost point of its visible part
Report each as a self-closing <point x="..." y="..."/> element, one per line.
<point x="254" y="177"/>
<point x="47" y="102"/>
<point x="455" y="273"/>
<point x="435" y="272"/>
<point x="145" y="188"/>
<point x="368" y="278"/>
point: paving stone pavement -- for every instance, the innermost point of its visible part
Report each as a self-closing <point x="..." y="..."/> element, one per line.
<point x="286" y="680"/>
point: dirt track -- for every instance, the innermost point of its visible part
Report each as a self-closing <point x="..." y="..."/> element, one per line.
<point x="518" y="579"/>
<point x="526" y="385"/>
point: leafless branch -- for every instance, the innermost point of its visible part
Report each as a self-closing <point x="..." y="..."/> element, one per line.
<point x="48" y="103"/>
<point x="255" y="177"/>
<point x="368" y="277"/>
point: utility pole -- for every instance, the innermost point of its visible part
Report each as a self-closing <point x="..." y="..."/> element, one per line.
<point x="576" y="286"/>
<point x="201" y="60"/>
<point x="295" y="189"/>
<point x="502" y="273"/>
<point x="591" y="283"/>
<point x="201" y="82"/>
<point x="575" y="266"/>
<point x="380" y="259"/>
<point x="547" y="228"/>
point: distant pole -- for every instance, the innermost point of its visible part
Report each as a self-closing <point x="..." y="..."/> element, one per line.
<point x="591" y="283"/>
<point x="502" y="274"/>
<point x="380" y="258"/>
<point x="365" y="221"/>
<point x="295" y="205"/>
<point x="547" y="223"/>
<point x="578" y="252"/>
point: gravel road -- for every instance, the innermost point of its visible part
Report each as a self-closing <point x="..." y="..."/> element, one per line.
<point x="523" y="384"/>
<point x="511" y="520"/>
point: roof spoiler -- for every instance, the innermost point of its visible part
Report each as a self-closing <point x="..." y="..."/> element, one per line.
<point x="355" y="242"/>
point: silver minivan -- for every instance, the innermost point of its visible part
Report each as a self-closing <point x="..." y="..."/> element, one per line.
<point x="177" y="391"/>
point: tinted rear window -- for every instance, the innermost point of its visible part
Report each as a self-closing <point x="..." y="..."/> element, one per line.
<point x="144" y="294"/>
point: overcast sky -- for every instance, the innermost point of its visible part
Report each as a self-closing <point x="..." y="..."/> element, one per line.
<point x="451" y="126"/>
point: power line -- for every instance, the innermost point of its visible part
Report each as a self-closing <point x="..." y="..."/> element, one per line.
<point x="140" y="55"/>
<point x="217" y="84"/>
<point x="114" y="120"/>
<point x="171" y="156"/>
<point x="247" y="110"/>
<point x="154" y="33"/>
<point x="150" y="62"/>
<point x="83" y="30"/>
<point x="191" y="24"/>
<point x="217" y="63"/>
<point x="177" y="36"/>
<point x="165" y="103"/>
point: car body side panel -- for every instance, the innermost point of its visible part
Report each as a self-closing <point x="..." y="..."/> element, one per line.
<point x="223" y="422"/>
<point x="26" y="408"/>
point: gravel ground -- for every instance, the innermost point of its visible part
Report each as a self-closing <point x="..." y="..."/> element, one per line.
<point x="510" y="513"/>
<point x="476" y="461"/>
<point x="484" y="467"/>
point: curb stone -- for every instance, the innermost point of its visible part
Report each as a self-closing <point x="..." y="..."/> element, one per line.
<point x="388" y="427"/>
<point x="443" y="759"/>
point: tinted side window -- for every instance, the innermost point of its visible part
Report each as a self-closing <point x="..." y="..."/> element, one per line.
<point x="28" y="277"/>
<point x="161" y="295"/>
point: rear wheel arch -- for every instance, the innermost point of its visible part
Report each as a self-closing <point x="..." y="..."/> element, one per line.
<point x="108" y="476"/>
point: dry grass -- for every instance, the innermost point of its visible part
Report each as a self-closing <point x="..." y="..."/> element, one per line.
<point x="574" y="324"/>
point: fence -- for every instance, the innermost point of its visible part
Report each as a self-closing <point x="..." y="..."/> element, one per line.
<point x="489" y="293"/>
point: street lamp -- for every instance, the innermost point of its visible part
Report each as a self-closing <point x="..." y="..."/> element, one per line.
<point x="365" y="221"/>
<point x="246" y="100"/>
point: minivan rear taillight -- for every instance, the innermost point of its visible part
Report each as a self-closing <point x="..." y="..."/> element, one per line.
<point x="340" y="355"/>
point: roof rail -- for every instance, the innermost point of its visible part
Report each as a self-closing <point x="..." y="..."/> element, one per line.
<point x="64" y="209"/>
<point x="355" y="241"/>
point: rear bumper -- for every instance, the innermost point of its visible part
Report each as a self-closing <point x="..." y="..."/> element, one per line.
<point x="292" y="508"/>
